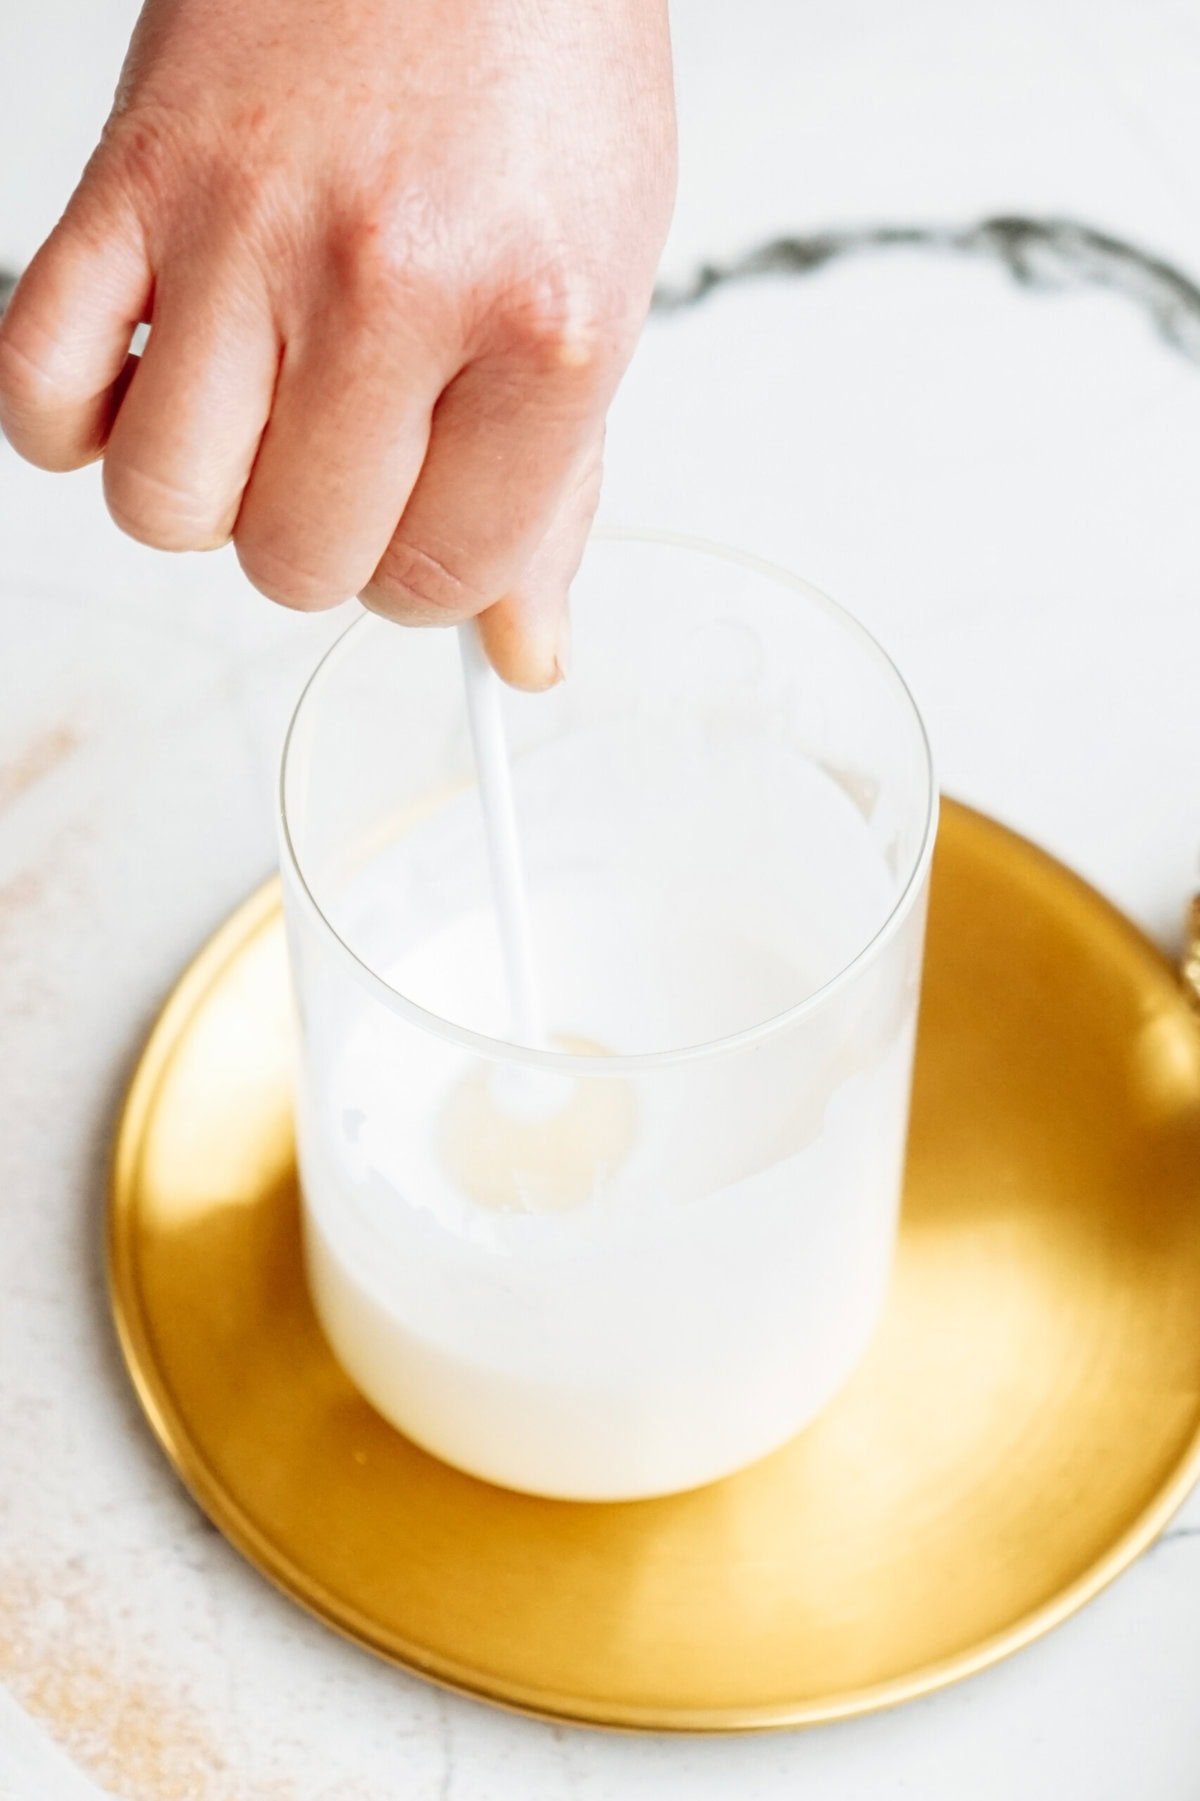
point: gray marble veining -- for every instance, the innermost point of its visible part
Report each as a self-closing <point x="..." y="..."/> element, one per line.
<point x="1038" y="252"/>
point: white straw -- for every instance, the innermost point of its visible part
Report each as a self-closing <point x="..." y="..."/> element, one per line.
<point x="509" y="896"/>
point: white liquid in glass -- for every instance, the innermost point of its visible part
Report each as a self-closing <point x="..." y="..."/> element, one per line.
<point x="573" y="1284"/>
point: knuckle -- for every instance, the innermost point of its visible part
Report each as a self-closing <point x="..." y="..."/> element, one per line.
<point x="285" y="581"/>
<point x="181" y="182"/>
<point x="159" y="512"/>
<point x="563" y="319"/>
<point x="142" y="152"/>
<point x="413" y="584"/>
<point x="382" y="257"/>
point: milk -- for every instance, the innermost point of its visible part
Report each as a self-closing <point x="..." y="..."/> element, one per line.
<point x="635" y="1262"/>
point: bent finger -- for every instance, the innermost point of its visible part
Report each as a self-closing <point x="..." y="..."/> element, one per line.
<point x="183" y="443"/>
<point x="341" y="453"/>
<point x="65" y="336"/>
<point x="527" y="635"/>
<point x="509" y="443"/>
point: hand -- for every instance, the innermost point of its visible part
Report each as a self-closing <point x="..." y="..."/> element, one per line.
<point x="395" y="255"/>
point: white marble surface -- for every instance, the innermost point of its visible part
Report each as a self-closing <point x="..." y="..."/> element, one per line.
<point x="1002" y="485"/>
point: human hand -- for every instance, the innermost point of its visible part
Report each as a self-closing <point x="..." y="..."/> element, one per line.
<point x="395" y="255"/>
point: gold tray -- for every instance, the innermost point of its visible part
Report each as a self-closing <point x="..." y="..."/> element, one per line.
<point x="1025" y="1423"/>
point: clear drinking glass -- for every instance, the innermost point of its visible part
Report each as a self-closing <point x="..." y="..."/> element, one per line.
<point x="636" y="1260"/>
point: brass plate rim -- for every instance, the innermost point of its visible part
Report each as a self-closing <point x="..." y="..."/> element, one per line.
<point x="135" y="1338"/>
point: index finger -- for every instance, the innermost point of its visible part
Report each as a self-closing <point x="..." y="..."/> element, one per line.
<point x="65" y="337"/>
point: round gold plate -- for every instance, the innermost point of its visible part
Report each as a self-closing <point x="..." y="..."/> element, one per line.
<point x="1025" y="1422"/>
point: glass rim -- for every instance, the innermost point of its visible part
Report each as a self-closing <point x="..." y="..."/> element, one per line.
<point x="503" y="1050"/>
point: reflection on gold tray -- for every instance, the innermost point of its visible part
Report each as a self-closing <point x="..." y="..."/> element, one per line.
<point x="1026" y="1421"/>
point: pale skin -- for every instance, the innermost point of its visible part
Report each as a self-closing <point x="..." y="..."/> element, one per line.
<point x="395" y="255"/>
